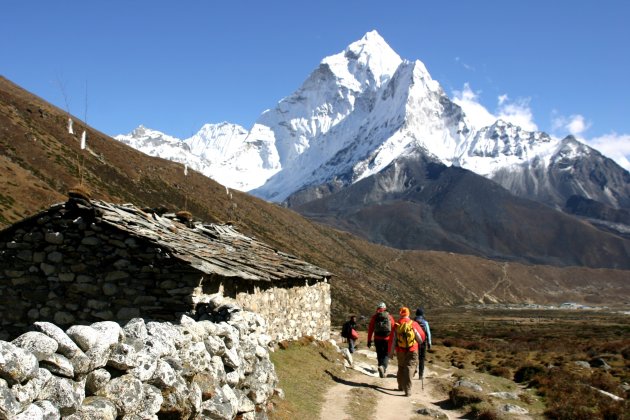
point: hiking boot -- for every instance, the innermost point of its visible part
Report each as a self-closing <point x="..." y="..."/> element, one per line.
<point x="407" y="393"/>
<point x="381" y="371"/>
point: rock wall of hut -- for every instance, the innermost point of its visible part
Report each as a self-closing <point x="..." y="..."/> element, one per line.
<point x="71" y="270"/>
<point x="290" y="310"/>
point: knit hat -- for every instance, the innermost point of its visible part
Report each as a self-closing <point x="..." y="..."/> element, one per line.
<point x="404" y="311"/>
<point x="382" y="305"/>
<point x="420" y="312"/>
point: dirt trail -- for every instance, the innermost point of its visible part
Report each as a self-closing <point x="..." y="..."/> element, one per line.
<point x="391" y="403"/>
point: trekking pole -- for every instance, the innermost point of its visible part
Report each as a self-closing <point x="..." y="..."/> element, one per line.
<point x="422" y="380"/>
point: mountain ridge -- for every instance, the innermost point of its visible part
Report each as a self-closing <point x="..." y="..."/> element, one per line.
<point x="40" y="163"/>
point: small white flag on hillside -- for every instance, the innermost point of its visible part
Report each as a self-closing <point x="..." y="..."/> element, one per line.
<point x="185" y="169"/>
<point x="227" y="192"/>
<point x="83" y="139"/>
<point x="70" y="130"/>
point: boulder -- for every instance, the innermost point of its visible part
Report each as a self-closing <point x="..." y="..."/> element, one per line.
<point x="37" y="343"/>
<point x="9" y="406"/>
<point x="126" y="392"/>
<point x="58" y="364"/>
<point x="95" y="408"/>
<point x="49" y="411"/>
<point x="64" y="394"/>
<point x="16" y="364"/>
<point x="84" y="335"/>
<point x="31" y="412"/>
<point x="96" y="380"/>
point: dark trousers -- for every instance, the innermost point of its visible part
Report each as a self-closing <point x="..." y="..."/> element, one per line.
<point x="382" y="350"/>
<point x="422" y="355"/>
<point x="351" y="345"/>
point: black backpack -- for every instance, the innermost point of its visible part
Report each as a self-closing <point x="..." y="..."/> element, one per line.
<point x="382" y="324"/>
<point x="345" y="330"/>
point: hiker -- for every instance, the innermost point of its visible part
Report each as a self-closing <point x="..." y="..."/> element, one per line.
<point x="408" y="336"/>
<point x="426" y="345"/>
<point x="349" y="332"/>
<point x="382" y="328"/>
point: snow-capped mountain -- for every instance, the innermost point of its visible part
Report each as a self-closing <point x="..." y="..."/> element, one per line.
<point x="364" y="108"/>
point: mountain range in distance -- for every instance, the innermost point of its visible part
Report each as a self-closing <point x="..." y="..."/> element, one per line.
<point x="370" y="143"/>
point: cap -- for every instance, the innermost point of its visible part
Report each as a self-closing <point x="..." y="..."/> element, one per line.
<point x="382" y="305"/>
<point x="420" y="312"/>
<point x="404" y="311"/>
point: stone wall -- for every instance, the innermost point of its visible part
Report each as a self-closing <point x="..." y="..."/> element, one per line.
<point x="217" y="368"/>
<point x="292" y="311"/>
<point x="71" y="269"/>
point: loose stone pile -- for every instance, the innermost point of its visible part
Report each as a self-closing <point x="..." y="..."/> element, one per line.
<point x="216" y="368"/>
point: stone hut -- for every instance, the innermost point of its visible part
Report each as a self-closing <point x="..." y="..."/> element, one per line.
<point x="85" y="261"/>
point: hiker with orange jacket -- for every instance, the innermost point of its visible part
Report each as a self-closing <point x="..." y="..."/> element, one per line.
<point x="382" y="328"/>
<point x="408" y="336"/>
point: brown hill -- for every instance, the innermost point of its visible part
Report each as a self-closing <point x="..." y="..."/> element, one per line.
<point x="39" y="163"/>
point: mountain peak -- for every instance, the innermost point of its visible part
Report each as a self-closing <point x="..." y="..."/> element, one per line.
<point x="368" y="61"/>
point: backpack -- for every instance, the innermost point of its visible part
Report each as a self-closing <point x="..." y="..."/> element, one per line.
<point x="345" y="330"/>
<point x="405" y="335"/>
<point x="382" y="324"/>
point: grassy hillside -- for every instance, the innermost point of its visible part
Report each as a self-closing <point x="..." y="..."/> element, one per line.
<point x="39" y="162"/>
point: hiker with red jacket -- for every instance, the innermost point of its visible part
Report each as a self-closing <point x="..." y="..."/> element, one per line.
<point x="408" y="336"/>
<point x="382" y="328"/>
<point x="349" y="332"/>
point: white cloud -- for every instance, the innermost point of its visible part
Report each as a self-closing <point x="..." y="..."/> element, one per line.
<point x="615" y="146"/>
<point x="477" y="114"/>
<point x="575" y="124"/>
<point x="516" y="112"/>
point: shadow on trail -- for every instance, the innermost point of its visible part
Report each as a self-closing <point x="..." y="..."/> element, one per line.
<point x="388" y="391"/>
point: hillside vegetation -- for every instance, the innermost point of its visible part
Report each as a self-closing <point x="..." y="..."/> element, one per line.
<point x="39" y="163"/>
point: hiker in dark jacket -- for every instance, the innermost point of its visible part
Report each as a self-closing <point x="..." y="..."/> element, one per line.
<point x="382" y="328"/>
<point x="422" y="354"/>
<point x="346" y="332"/>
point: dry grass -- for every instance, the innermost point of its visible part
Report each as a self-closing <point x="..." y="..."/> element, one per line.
<point x="302" y="368"/>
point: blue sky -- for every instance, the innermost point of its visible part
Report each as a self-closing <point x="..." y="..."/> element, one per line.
<point x="560" y="66"/>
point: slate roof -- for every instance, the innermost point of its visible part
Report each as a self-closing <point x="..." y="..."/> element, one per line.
<point x="209" y="248"/>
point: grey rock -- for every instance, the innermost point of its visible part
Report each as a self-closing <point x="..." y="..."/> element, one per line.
<point x="218" y="407"/>
<point x="63" y="318"/>
<point x="98" y="355"/>
<point x="47" y="269"/>
<point x="31" y="412"/>
<point x="81" y="363"/>
<point x="85" y="336"/>
<point x="55" y="257"/>
<point x="123" y="357"/>
<point x="16" y="364"/>
<point x="9" y="406"/>
<point x="245" y="405"/>
<point x="127" y="313"/>
<point x="96" y="408"/>
<point x="29" y="391"/>
<point x="582" y="364"/>
<point x="110" y="289"/>
<point x="37" y="343"/>
<point x="194" y="357"/>
<point x="110" y="332"/>
<point x="513" y="409"/>
<point x="215" y="346"/>
<point x="64" y="394"/>
<point x="505" y="395"/>
<point x="55" y="238"/>
<point x="49" y="411"/>
<point x="152" y="401"/>
<point x="58" y="365"/>
<point x="145" y="367"/>
<point x="67" y="347"/>
<point x="164" y="375"/>
<point x="96" y="380"/>
<point x="468" y="384"/>
<point x="136" y="328"/>
<point x="126" y="392"/>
